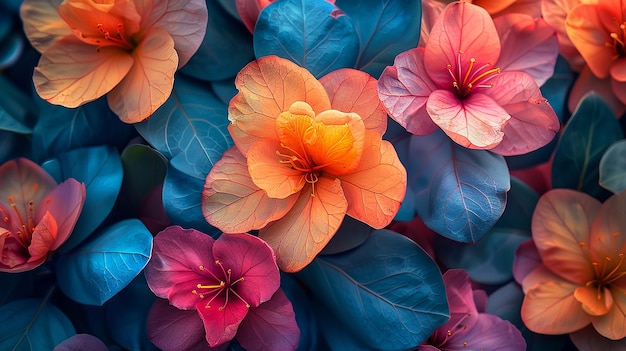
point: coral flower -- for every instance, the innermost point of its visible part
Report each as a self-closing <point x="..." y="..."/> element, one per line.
<point x="230" y="286"/>
<point x="36" y="214"/>
<point x="127" y="49"/>
<point x="455" y="83"/>
<point x="579" y="279"/>
<point x="306" y="153"/>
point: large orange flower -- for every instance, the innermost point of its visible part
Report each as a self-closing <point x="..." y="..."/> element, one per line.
<point x="127" y="49"/>
<point x="307" y="153"/>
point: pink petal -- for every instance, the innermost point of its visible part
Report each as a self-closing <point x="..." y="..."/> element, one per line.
<point x="526" y="260"/>
<point x="588" y="339"/>
<point x="23" y="180"/>
<point x="528" y="45"/>
<point x="64" y="203"/>
<point x="44" y="236"/>
<point x="149" y="82"/>
<point x="403" y="90"/>
<point x="173" y="271"/>
<point x="463" y="31"/>
<point x="460" y="301"/>
<point x="81" y="342"/>
<point x="271" y="326"/>
<point x="42" y="23"/>
<point x="605" y="88"/>
<point x="608" y="232"/>
<point x="618" y="70"/>
<point x="475" y="122"/>
<point x="252" y="259"/>
<point x="554" y="13"/>
<point x="489" y="333"/>
<point x="13" y="256"/>
<point x="249" y="11"/>
<point x="431" y="9"/>
<point x="221" y="324"/>
<point x="71" y="73"/>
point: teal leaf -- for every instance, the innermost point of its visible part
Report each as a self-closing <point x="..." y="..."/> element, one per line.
<point x="15" y="286"/>
<point x="96" y="271"/>
<point x="307" y="32"/>
<point x="388" y="293"/>
<point x="33" y="325"/>
<point x="144" y="169"/>
<point x="520" y="205"/>
<point x="459" y="193"/>
<point x="586" y="136"/>
<point x="506" y="303"/>
<point x="613" y="167"/>
<point x="15" y="108"/>
<point x="351" y="234"/>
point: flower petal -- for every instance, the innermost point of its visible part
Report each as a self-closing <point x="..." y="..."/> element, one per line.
<point x="271" y="326"/>
<point x="403" y="90"/>
<point x="489" y="333"/>
<point x="304" y="231"/>
<point x="494" y="6"/>
<point x="173" y="271"/>
<point x="613" y="324"/>
<point x="267" y="172"/>
<point x="44" y="236"/>
<point x="71" y="73"/>
<point x="619" y="89"/>
<point x="351" y="90"/>
<point x="475" y="122"/>
<point x="526" y="260"/>
<point x="13" y="256"/>
<point x="377" y="187"/>
<point x="23" y="180"/>
<point x="252" y="259"/>
<point x="618" y="70"/>
<point x="336" y="141"/>
<point x="554" y="13"/>
<point x="149" y="82"/>
<point x="42" y="23"/>
<point x="233" y="203"/>
<point x="561" y="227"/>
<point x="606" y="88"/>
<point x="594" y="301"/>
<point x="588" y="339"/>
<point x="463" y="313"/>
<point x="550" y="308"/>
<point x="267" y="87"/>
<point x="221" y="324"/>
<point x="608" y="234"/>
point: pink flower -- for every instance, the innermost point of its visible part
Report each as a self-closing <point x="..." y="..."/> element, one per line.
<point x="36" y="214"/>
<point x="231" y="284"/>
<point x="469" y="328"/>
<point x="455" y="83"/>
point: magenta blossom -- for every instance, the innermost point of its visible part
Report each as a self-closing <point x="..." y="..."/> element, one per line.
<point x="36" y="214"/>
<point x="464" y="83"/>
<point x="469" y="328"/>
<point x="232" y="284"/>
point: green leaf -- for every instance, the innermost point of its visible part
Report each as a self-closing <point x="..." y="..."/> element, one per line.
<point x="613" y="167"/>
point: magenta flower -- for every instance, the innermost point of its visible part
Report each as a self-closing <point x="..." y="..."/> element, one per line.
<point x="231" y="283"/>
<point x="457" y="83"/>
<point x="469" y="328"/>
<point x="36" y="214"/>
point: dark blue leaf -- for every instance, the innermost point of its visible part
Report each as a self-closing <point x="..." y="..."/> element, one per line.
<point x="586" y="136"/>
<point x="385" y="27"/>
<point x="101" y="170"/>
<point x="520" y="205"/>
<point x="61" y="129"/>
<point x="613" y="167"/>
<point x="225" y="89"/>
<point x="193" y="123"/>
<point x="460" y="193"/>
<point x="144" y="169"/>
<point x="301" y="302"/>
<point x="96" y="271"/>
<point x="351" y="233"/>
<point x="15" y="108"/>
<point x="33" y="325"/>
<point x="229" y="6"/>
<point x="506" y="303"/>
<point x="388" y="292"/>
<point x="15" y="286"/>
<point x="307" y="32"/>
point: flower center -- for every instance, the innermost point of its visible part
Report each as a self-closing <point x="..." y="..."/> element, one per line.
<point x="219" y="287"/>
<point x="473" y="78"/>
<point x="610" y="270"/>
<point x="617" y="41"/>
<point x="108" y="35"/>
<point x="23" y="224"/>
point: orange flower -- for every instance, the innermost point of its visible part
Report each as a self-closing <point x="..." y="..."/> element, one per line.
<point x="307" y="153"/>
<point x="127" y="49"/>
<point x="582" y="277"/>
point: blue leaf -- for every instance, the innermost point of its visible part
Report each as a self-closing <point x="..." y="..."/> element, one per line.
<point x="385" y="27"/>
<point x="613" y="167"/>
<point x="388" y="292"/>
<point x="144" y="169"/>
<point x="506" y="303"/>
<point x="61" y="129"/>
<point x="15" y="108"/>
<point x="307" y="32"/>
<point x="100" y="169"/>
<point x="460" y="193"/>
<point x="520" y="205"/>
<point x="303" y="309"/>
<point x="193" y="123"/>
<point x="15" y="286"/>
<point x="586" y="136"/>
<point x="33" y="325"/>
<point x="96" y="271"/>
<point x="351" y="234"/>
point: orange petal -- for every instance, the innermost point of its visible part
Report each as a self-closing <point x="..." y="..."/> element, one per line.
<point x="267" y="172"/>
<point x="613" y="324"/>
<point x="301" y="234"/>
<point x="586" y="83"/>
<point x="149" y="83"/>
<point x="42" y="23"/>
<point x="493" y="6"/>
<point x="608" y="234"/>
<point x="355" y="91"/>
<point x="595" y="302"/>
<point x="550" y="308"/>
<point x="267" y="87"/>
<point x="561" y="225"/>
<point x="231" y="201"/>
<point x="43" y="238"/>
<point x="377" y="187"/>
<point x="538" y="275"/>
<point x="71" y="73"/>
<point x="554" y="13"/>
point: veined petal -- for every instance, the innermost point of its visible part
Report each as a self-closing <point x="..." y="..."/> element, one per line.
<point x="475" y="122"/>
<point x="44" y="236"/>
<point x="221" y="324"/>
<point x="336" y="141"/>
<point x="375" y="190"/>
<point x="267" y="87"/>
<point x="489" y="333"/>
<point x="463" y="31"/>
<point x="24" y="180"/>
<point x="608" y="234"/>
<point x="233" y="203"/>
<point x="550" y="308"/>
<point x="42" y="23"/>
<point x="403" y="90"/>
<point x="613" y="324"/>
<point x="149" y="82"/>
<point x="460" y="300"/>
<point x="561" y="226"/>
<point x="71" y="73"/>
<point x="351" y="90"/>
<point x="268" y="172"/>
<point x="304" y="231"/>
<point x="538" y="275"/>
